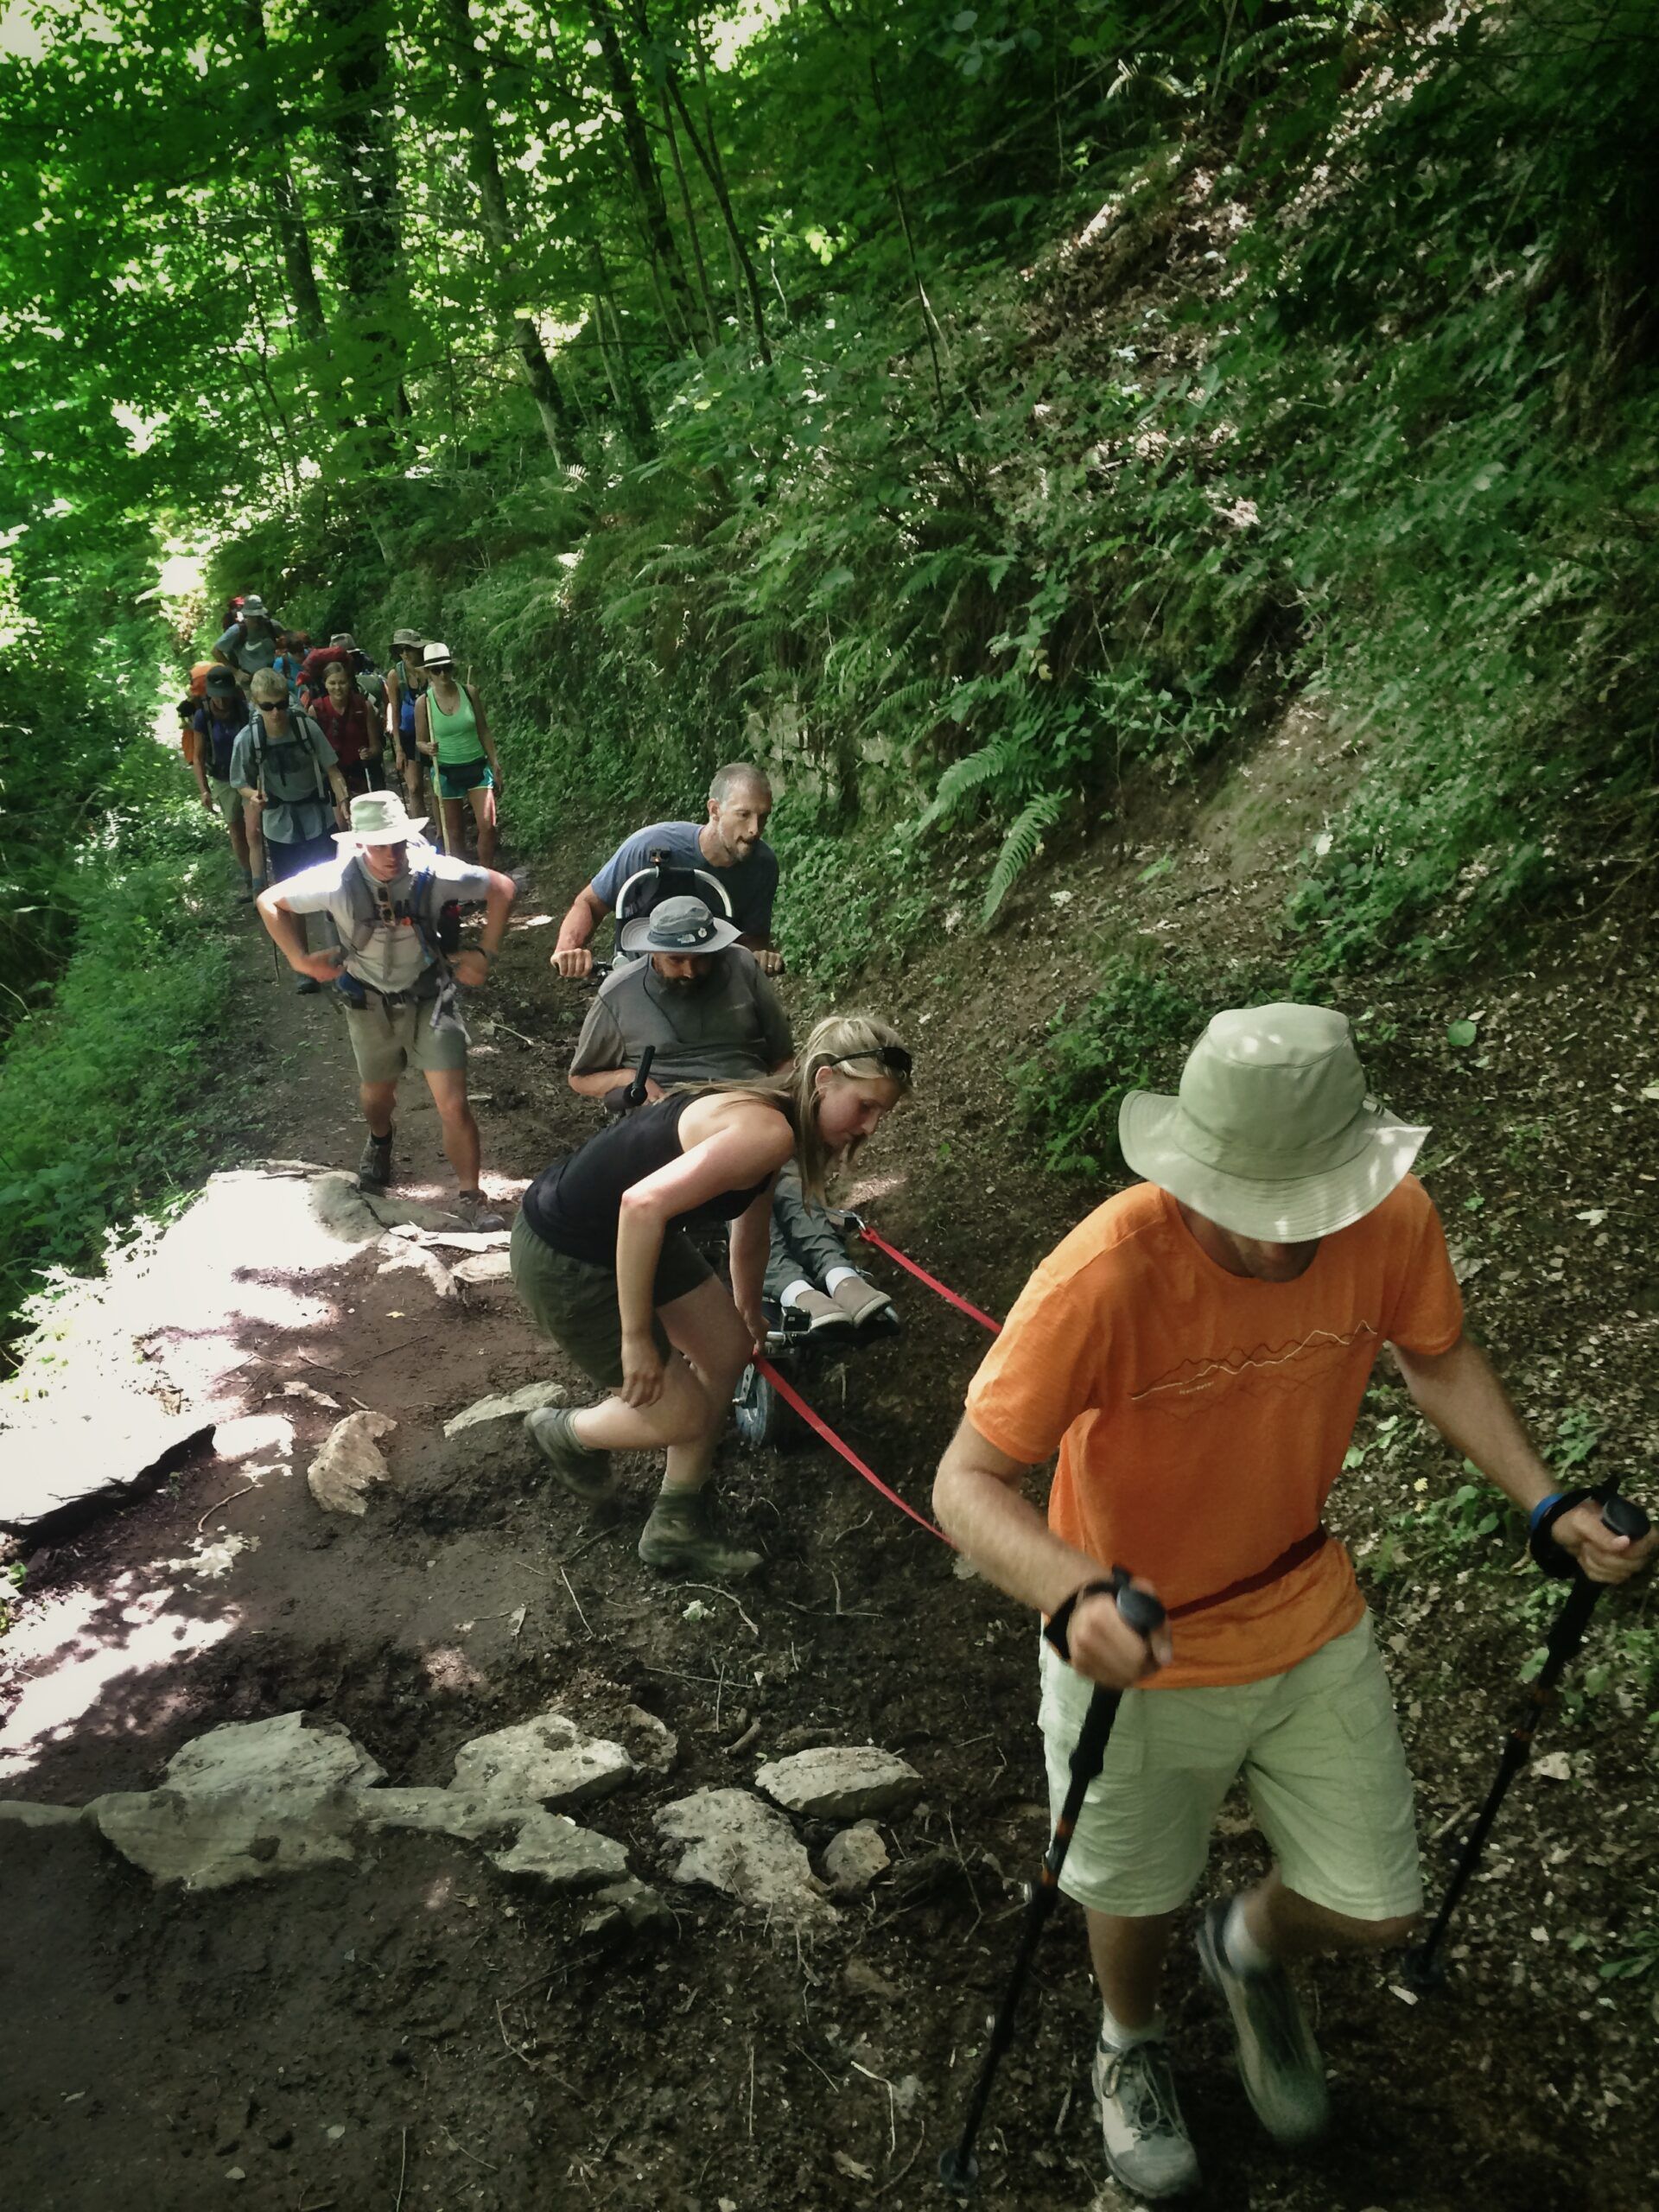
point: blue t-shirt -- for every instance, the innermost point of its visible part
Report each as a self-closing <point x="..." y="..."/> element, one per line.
<point x="220" y="733"/>
<point x="751" y="885"/>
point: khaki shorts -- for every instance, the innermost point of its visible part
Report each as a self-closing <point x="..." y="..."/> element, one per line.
<point x="574" y="1303"/>
<point x="227" y="797"/>
<point x="1319" y="1753"/>
<point x="386" y="1040"/>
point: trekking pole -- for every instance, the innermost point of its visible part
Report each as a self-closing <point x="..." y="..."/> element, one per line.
<point x="958" y="2167"/>
<point x="1421" y="1968"/>
<point x="636" y="1092"/>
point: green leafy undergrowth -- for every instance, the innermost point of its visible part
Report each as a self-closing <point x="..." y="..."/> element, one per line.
<point x="101" y="1092"/>
<point x="1132" y="1035"/>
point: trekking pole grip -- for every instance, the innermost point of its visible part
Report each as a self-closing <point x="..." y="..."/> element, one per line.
<point x="1140" y="1610"/>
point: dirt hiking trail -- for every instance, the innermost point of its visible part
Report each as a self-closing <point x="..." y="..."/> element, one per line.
<point x="405" y="2021"/>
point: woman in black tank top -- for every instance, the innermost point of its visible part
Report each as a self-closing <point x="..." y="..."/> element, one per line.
<point x="602" y="1259"/>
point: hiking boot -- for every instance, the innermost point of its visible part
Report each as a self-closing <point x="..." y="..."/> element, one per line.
<point x="475" y="1212"/>
<point x="1147" y="2146"/>
<point x="587" y="1474"/>
<point x="821" y="1312"/>
<point x="681" y="1538"/>
<point x="859" y="1300"/>
<point x="374" y="1169"/>
<point x="1279" y="2062"/>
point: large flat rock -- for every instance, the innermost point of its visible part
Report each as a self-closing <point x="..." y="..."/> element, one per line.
<point x="513" y="1407"/>
<point x="547" y="1761"/>
<point x="553" y="1851"/>
<point x="244" y="1803"/>
<point x="736" y="1844"/>
<point x="841" y="1782"/>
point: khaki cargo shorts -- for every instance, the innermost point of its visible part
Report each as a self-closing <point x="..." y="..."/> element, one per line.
<point x="1320" y="1755"/>
<point x="574" y="1303"/>
<point x="227" y="797"/>
<point x="386" y="1040"/>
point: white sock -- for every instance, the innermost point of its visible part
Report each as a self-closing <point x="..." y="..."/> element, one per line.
<point x="1115" y="2037"/>
<point x="837" y="1276"/>
<point x="790" y="1294"/>
<point x="1244" y="1954"/>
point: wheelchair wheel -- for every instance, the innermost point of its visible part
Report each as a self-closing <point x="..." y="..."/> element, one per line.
<point x="756" y="1408"/>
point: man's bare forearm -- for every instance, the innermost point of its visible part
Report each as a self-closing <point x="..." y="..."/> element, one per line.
<point x="1459" y="1393"/>
<point x="581" y="920"/>
<point x="596" y="1085"/>
<point x="1006" y="1537"/>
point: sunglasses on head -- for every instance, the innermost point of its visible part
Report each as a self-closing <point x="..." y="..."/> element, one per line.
<point x="894" y="1060"/>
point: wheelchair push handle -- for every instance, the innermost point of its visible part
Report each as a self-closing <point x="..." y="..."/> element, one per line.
<point x="637" y="1094"/>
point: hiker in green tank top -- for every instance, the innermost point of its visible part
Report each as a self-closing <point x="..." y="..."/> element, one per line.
<point x="451" y="731"/>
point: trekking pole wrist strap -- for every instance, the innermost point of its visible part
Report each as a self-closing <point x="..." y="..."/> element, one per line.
<point x="1549" y="1556"/>
<point x="1056" y="1629"/>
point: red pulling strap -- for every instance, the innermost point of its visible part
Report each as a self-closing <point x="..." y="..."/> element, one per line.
<point x="932" y="1281"/>
<point x="794" y="1400"/>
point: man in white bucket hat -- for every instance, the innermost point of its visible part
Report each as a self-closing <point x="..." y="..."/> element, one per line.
<point x="395" y="969"/>
<point x="1197" y="1352"/>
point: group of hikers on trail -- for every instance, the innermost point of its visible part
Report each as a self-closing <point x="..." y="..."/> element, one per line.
<point x="322" y="726"/>
<point x="1195" y="1352"/>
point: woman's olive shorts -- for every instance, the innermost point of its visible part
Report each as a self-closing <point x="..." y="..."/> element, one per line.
<point x="575" y="1302"/>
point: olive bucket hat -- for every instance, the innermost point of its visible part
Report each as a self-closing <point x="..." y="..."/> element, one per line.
<point x="1273" y="1134"/>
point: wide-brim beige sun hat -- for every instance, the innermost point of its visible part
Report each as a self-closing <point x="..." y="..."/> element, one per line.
<point x="380" y="818"/>
<point x="1273" y="1134"/>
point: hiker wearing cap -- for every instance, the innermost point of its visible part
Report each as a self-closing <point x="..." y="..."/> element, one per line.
<point x="601" y="1257"/>
<point x="216" y="724"/>
<point x="248" y="642"/>
<point x="452" y="731"/>
<point x="697" y="999"/>
<point x="383" y="889"/>
<point x="732" y="842"/>
<point x="1197" y="1352"/>
<point x="405" y="681"/>
<point x="352" y="726"/>
<point x="293" y="793"/>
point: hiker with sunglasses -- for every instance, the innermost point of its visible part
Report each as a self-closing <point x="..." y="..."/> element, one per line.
<point x="731" y="841"/>
<point x="602" y="1258"/>
<point x="385" y="891"/>
<point x="293" y="794"/>
<point x="1197" y="1352"/>
<point x="222" y="716"/>
<point x="695" y="997"/>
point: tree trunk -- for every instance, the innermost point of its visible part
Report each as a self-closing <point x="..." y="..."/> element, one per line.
<point x="649" y="185"/>
<point x="709" y="310"/>
<point x="485" y="163"/>
<point x="716" y="177"/>
<point x="288" y="214"/>
<point x="356" y="115"/>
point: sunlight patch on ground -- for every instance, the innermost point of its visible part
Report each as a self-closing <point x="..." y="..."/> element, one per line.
<point x="75" y="1654"/>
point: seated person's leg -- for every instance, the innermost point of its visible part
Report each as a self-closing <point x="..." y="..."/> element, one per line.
<point x="809" y="1269"/>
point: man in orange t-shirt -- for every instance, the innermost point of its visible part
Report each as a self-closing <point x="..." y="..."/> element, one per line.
<point x="1197" y="1352"/>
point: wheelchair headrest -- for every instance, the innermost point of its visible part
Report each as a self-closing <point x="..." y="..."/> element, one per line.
<point x="647" y="887"/>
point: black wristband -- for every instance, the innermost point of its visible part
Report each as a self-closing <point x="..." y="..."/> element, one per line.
<point x="1057" y="1627"/>
<point x="1540" y="1542"/>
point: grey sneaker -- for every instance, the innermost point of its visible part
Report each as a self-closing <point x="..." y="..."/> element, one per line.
<point x="859" y="1300"/>
<point x="1279" y="2062"/>
<point x="681" y="1538"/>
<point x="475" y="1212"/>
<point x="1147" y="2146"/>
<point x="586" y="1474"/>
<point x="374" y="1169"/>
<point x="821" y="1312"/>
